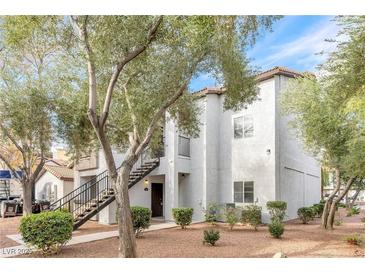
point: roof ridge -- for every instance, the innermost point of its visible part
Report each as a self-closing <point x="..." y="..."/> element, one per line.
<point x="262" y="76"/>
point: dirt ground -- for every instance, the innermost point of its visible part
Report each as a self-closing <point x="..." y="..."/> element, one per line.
<point x="9" y="226"/>
<point x="298" y="241"/>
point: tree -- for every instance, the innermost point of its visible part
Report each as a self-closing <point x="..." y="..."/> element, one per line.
<point x="26" y="82"/>
<point x="358" y="186"/>
<point x="139" y="68"/>
<point x="327" y="115"/>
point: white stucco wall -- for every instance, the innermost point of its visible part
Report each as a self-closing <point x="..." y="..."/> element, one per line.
<point x="273" y="159"/>
<point x="298" y="172"/>
<point x="246" y="159"/>
<point x="194" y="185"/>
<point x="63" y="187"/>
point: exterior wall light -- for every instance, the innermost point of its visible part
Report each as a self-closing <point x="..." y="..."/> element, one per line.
<point x="268" y="151"/>
<point x="146" y="183"/>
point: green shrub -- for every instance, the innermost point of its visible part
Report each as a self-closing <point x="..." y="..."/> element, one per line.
<point x="183" y="216"/>
<point x="251" y="215"/>
<point x="276" y="210"/>
<point x="212" y="213"/>
<point x="231" y="217"/>
<point x="211" y="236"/>
<point x="276" y="228"/>
<point x="354" y="239"/>
<point x="141" y="217"/>
<point x="48" y="231"/>
<point x="318" y="209"/>
<point x="306" y="214"/>
<point x="340" y="205"/>
<point x="355" y="210"/>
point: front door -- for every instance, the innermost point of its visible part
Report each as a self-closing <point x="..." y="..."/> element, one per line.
<point x="157" y="199"/>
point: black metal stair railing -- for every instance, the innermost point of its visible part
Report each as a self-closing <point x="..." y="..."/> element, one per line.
<point x="65" y="201"/>
<point x="94" y="195"/>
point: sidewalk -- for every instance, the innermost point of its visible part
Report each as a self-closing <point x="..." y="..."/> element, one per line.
<point x="22" y="248"/>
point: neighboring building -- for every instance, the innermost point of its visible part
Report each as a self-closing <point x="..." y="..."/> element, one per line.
<point x="244" y="157"/>
<point x="55" y="181"/>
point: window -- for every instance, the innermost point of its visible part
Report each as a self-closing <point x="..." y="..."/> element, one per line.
<point x="238" y="192"/>
<point x="243" y="192"/>
<point x="184" y="146"/>
<point x="238" y="127"/>
<point x="248" y="126"/>
<point x="249" y="192"/>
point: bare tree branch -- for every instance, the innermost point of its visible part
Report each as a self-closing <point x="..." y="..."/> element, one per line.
<point x="132" y="55"/>
<point x="15" y="143"/>
<point x="91" y="69"/>
<point x="347" y="187"/>
<point x="12" y="139"/>
<point x="131" y="111"/>
<point x="37" y="170"/>
<point x="7" y="163"/>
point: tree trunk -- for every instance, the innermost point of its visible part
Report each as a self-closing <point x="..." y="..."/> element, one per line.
<point x="353" y="198"/>
<point x="329" y="202"/>
<point x="127" y="242"/>
<point x="27" y="198"/>
<point x="331" y="216"/>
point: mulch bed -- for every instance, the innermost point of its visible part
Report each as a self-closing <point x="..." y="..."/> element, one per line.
<point x="298" y="241"/>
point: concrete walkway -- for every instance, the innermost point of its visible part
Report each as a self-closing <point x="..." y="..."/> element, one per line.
<point x="22" y="248"/>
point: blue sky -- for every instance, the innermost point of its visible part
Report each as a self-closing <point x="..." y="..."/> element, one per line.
<point x="294" y="43"/>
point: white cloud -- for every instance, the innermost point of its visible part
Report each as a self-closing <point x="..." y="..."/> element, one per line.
<point x="303" y="51"/>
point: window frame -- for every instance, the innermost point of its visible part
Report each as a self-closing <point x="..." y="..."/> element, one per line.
<point x="179" y="152"/>
<point x="243" y="193"/>
<point x="249" y="192"/>
<point x="235" y="192"/>
<point x="241" y="129"/>
<point x="246" y="118"/>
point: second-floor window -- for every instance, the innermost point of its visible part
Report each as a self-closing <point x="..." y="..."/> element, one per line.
<point x="238" y="127"/>
<point x="184" y="146"/>
<point x="248" y="126"/>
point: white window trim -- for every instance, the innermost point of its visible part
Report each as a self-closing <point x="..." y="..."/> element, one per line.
<point x="243" y="193"/>
<point x="249" y="115"/>
<point x="234" y="117"/>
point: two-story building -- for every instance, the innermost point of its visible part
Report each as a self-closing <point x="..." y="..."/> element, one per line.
<point x="244" y="157"/>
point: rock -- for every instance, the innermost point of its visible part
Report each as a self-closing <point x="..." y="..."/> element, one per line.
<point x="280" y="255"/>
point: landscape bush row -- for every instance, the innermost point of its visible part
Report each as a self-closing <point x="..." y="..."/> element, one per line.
<point x="50" y="231"/>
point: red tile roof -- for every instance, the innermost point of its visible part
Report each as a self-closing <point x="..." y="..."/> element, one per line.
<point x="61" y="172"/>
<point x="260" y="77"/>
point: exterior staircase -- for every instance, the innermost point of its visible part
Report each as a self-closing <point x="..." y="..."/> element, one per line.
<point x="90" y="198"/>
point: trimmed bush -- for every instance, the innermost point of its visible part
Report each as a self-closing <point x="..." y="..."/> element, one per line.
<point x="318" y="209"/>
<point x="276" y="210"/>
<point x="276" y="228"/>
<point x="231" y="216"/>
<point x="212" y="214"/>
<point x="141" y="217"/>
<point x="48" y="231"/>
<point x="211" y="236"/>
<point x="251" y="215"/>
<point x="353" y="211"/>
<point x="183" y="216"/>
<point x="354" y="239"/>
<point x="306" y="214"/>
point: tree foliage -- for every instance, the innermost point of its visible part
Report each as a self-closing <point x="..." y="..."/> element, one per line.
<point x="328" y="111"/>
